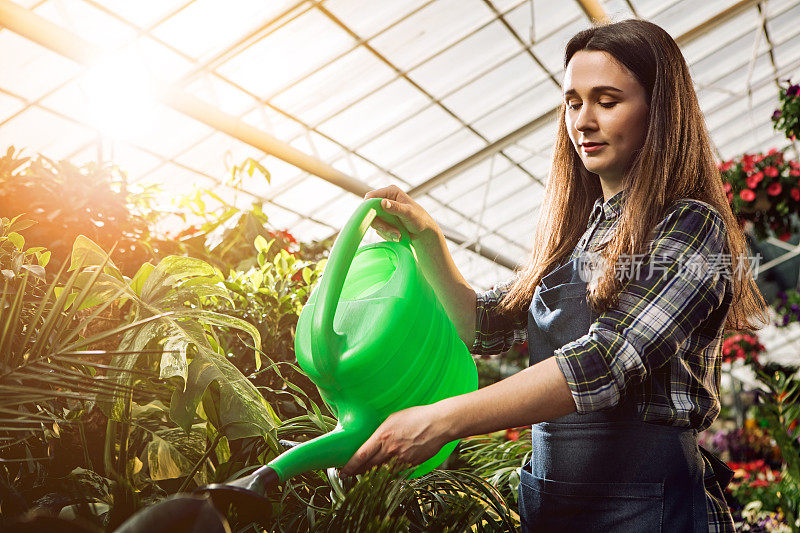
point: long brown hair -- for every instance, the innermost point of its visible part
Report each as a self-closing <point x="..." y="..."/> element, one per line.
<point x="675" y="162"/>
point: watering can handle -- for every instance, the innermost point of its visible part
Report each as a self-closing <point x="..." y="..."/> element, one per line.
<point x="324" y="340"/>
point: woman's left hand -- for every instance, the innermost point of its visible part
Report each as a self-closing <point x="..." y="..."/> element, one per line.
<point x="412" y="435"/>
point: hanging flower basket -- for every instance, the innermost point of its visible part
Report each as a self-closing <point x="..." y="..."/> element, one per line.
<point x="739" y="345"/>
<point x="787" y="117"/>
<point x="764" y="189"/>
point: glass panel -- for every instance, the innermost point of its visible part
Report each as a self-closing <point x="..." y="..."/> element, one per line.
<point x="90" y="23"/>
<point x="308" y="230"/>
<point x="734" y="84"/>
<point x="338" y="210"/>
<point x="309" y="195"/>
<point x="9" y="105"/>
<point x="273" y="123"/>
<point x="286" y="54"/>
<point x="547" y="18"/>
<point x="439" y="156"/>
<point x="335" y="86"/>
<point x="217" y="154"/>
<point x="39" y="130"/>
<point x="782" y="24"/>
<point x="502" y="84"/>
<point x="355" y="166"/>
<point x="538" y="165"/>
<point x="221" y="94"/>
<point x="36" y="70"/>
<point x="674" y="19"/>
<point x="521" y="110"/>
<point x="366" y="18"/>
<point x="755" y="139"/>
<point x="499" y="188"/>
<point x="317" y="146"/>
<point x="648" y="8"/>
<point x="209" y="26"/>
<point x="429" y="30"/>
<point x="550" y="50"/>
<point x="514" y="210"/>
<point x="162" y="63"/>
<point x="280" y="218"/>
<point x="384" y="108"/>
<point x="143" y="13"/>
<point x="176" y="181"/>
<point x="719" y="36"/>
<point x="787" y="53"/>
<point x="729" y="57"/>
<point x="412" y="136"/>
<point x="736" y="119"/>
<point x="469" y="179"/>
<point x="170" y="132"/>
<point x="473" y="55"/>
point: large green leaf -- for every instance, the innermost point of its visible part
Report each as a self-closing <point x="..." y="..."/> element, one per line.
<point x="243" y="412"/>
<point x="172" y="453"/>
<point x="170" y="271"/>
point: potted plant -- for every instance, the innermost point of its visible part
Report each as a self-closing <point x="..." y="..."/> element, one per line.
<point x="787" y="117"/>
<point x="764" y="190"/>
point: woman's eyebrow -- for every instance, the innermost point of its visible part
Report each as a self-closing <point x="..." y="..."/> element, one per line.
<point x="596" y="89"/>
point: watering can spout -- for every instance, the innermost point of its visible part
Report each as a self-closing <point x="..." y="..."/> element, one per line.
<point x="250" y="492"/>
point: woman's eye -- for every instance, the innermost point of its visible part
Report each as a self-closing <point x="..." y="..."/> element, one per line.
<point x="573" y="106"/>
<point x="607" y="104"/>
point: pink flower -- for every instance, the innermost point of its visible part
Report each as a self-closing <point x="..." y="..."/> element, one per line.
<point x="771" y="172"/>
<point x="726" y="187"/>
<point x="774" y="189"/>
<point x="795" y="193"/>
<point x="794" y="172"/>
<point x="752" y="181"/>
<point x="747" y="195"/>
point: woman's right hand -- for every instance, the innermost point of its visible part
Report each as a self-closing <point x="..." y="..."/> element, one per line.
<point x="415" y="220"/>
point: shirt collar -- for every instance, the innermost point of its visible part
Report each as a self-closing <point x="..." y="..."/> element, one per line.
<point x="610" y="209"/>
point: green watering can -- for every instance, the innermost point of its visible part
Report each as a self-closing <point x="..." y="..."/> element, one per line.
<point x="375" y="340"/>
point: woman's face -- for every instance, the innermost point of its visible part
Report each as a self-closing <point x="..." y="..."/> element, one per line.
<point x="606" y="114"/>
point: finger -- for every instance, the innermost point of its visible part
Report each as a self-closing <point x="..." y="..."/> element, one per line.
<point x="393" y="192"/>
<point x="357" y="463"/>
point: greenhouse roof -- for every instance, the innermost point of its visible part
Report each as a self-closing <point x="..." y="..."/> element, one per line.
<point x="453" y="101"/>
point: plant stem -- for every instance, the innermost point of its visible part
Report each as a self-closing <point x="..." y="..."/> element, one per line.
<point x="200" y="462"/>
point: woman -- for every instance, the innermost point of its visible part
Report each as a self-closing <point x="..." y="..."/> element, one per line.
<point x="625" y="365"/>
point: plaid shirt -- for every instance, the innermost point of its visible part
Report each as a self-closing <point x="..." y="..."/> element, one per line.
<point x="660" y="342"/>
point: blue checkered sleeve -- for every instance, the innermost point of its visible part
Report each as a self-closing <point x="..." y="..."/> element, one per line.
<point x="676" y="289"/>
<point x="496" y="332"/>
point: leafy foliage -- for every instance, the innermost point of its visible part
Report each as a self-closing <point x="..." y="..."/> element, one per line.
<point x="66" y="201"/>
<point x="780" y="407"/>
<point x="787" y="116"/>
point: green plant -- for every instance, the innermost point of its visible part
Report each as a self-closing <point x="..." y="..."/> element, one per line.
<point x="94" y="337"/>
<point x="787" y="116"/>
<point x="498" y="459"/>
<point x="787" y="307"/>
<point x="66" y="201"/>
<point x="780" y="407"/>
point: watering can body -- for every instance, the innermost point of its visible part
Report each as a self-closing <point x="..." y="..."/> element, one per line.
<point x="375" y="340"/>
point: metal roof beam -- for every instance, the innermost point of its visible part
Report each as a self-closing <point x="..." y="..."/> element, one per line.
<point x="594" y="10"/>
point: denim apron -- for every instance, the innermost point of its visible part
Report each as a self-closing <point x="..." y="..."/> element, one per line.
<point x="606" y="470"/>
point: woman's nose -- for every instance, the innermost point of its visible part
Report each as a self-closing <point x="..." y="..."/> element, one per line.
<point x="585" y="119"/>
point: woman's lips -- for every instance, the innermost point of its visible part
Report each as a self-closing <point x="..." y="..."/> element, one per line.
<point x="592" y="147"/>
